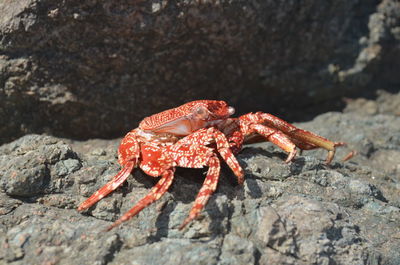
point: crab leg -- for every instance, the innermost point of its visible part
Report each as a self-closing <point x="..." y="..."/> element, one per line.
<point x="236" y="141"/>
<point x="116" y="181"/>
<point x="274" y="136"/>
<point x="129" y="149"/>
<point x="208" y="188"/>
<point x="207" y="136"/>
<point x="308" y="138"/>
<point x="303" y="145"/>
<point x="155" y="193"/>
<point x="128" y="155"/>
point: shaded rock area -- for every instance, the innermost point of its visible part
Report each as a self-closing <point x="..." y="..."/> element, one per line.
<point x="299" y="213"/>
<point x="85" y="69"/>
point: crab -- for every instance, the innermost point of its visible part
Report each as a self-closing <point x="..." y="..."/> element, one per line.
<point x="196" y="135"/>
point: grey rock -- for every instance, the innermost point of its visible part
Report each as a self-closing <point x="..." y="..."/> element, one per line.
<point x="94" y="69"/>
<point x="48" y="235"/>
<point x="7" y="204"/>
<point x="237" y="250"/>
<point x="304" y="212"/>
<point x="174" y="251"/>
<point x="34" y="165"/>
<point x="275" y="232"/>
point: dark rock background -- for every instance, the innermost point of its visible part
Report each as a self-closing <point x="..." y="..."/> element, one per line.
<point x="84" y="69"/>
<point x="92" y="69"/>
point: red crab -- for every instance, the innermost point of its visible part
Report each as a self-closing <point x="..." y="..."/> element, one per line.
<point x="192" y="136"/>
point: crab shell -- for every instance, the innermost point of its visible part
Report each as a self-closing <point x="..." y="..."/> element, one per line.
<point x="188" y="118"/>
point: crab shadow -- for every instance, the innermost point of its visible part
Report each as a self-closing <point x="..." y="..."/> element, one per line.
<point x="184" y="190"/>
<point x="188" y="182"/>
<point x="295" y="166"/>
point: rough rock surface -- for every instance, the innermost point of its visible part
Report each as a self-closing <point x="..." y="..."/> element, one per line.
<point x="299" y="213"/>
<point x="84" y="69"/>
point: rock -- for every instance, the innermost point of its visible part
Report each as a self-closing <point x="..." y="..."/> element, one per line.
<point x="385" y="103"/>
<point x="175" y="251"/>
<point x="237" y="250"/>
<point x="41" y="234"/>
<point x="35" y="165"/>
<point x="304" y="212"/>
<point x="89" y="69"/>
<point x="275" y="232"/>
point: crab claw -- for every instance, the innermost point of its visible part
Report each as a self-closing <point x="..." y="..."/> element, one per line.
<point x="349" y="155"/>
<point x="291" y="155"/>
<point x="331" y="152"/>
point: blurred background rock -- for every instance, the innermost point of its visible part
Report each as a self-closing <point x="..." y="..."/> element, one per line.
<point x="84" y="69"/>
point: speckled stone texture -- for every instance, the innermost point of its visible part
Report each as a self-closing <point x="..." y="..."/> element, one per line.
<point x="84" y="69"/>
<point x="77" y="70"/>
<point x="299" y="213"/>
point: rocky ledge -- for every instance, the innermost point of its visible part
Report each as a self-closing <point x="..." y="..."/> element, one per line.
<point x="304" y="212"/>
